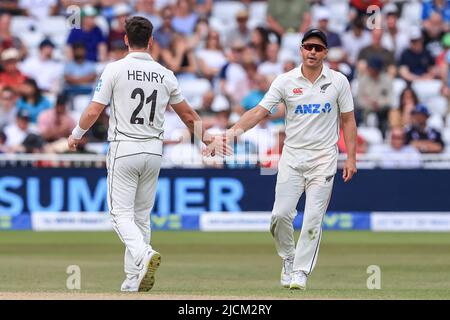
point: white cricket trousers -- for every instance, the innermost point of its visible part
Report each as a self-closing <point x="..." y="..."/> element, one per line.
<point x="132" y="177"/>
<point x="312" y="172"/>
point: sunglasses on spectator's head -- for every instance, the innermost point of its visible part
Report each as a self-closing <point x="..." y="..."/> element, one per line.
<point x="311" y="46"/>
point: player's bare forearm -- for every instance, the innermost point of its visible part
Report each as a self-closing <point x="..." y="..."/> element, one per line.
<point x="248" y="120"/>
<point x="349" y="129"/>
<point x="192" y="120"/>
<point x="90" y="115"/>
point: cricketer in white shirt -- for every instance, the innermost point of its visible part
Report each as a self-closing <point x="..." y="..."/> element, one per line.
<point x="138" y="90"/>
<point x="315" y="98"/>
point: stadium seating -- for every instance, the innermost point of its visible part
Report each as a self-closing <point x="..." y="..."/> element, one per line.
<point x="193" y="90"/>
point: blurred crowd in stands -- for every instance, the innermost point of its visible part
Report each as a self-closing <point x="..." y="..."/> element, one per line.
<point x="225" y="54"/>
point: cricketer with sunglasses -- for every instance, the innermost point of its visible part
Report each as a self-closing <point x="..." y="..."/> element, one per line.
<point x="315" y="98"/>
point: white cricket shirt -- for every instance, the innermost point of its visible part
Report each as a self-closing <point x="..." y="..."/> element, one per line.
<point x="312" y="109"/>
<point x="138" y="90"/>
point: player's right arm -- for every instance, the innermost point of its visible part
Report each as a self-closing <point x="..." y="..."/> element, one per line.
<point x="252" y="117"/>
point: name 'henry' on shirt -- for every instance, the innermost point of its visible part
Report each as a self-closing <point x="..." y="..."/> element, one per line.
<point x="139" y="75"/>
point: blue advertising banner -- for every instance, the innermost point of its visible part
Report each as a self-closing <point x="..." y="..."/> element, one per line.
<point x="193" y="191"/>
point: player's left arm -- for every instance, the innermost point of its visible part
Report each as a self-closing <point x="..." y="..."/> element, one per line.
<point x="345" y="103"/>
<point x="87" y="119"/>
<point x="349" y="129"/>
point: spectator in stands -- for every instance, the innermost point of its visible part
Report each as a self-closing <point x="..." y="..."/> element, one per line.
<point x="197" y="40"/>
<point x="42" y="67"/>
<point x="10" y="7"/>
<point x="185" y="18"/>
<point x="401" y="116"/>
<point x="32" y="100"/>
<point x="121" y="12"/>
<point x="164" y="34"/>
<point x="7" y="106"/>
<point x="323" y="17"/>
<point x="288" y="16"/>
<point x="443" y="64"/>
<point x="397" y="154"/>
<point x="147" y="9"/>
<point x="433" y="32"/>
<point x="11" y="75"/>
<point x="233" y="78"/>
<point x="362" y="5"/>
<point x="375" y="49"/>
<point x="258" y="44"/>
<point x="3" y="147"/>
<point x="7" y="39"/>
<point x="255" y="96"/>
<point x="336" y="59"/>
<point x="56" y="123"/>
<point x="179" y="58"/>
<point x="39" y="9"/>
<point x="241" y="32"/>
<point x="354" y="40"/>
<point x="17" y="131"/>
<point x="420" y="136"/>
<point x="416" y="62"/>
<point x="272" y="67"/>
<point x="375" y="93"/>
<point x="90" y="35"/>
<point x="393" y="39"/>
<point x="440" y="6"/>
<point x="211" y="59"/>
<point x="79" y="74"/>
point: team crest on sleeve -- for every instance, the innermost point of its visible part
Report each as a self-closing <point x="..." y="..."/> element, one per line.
<point x="99" y="85"/>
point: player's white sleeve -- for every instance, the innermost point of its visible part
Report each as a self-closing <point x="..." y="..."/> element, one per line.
<point x="175" y="95"/>
<point x="345" y="98"/>
<point x="104" y="89"/>
<point x="273" y="97"/>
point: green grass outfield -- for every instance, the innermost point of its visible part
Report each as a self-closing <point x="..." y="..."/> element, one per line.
<point x="226" y="265"/>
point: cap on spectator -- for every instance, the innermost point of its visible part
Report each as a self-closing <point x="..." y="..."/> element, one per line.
<point x="242" y="14"/>
<point x="88" y="11"/>
<point x="23" y="114"/>
<point x="46" y="43"/>
<point x="446" y="40"/>
<point x="121" y="9"/>
<point x="375" y="63"/>
<point x="335" y="54"/>
<point x="390" y="8"/>
<point x="420" y="108"/>
<point x="10" y="54"/>
<point x="315" y="33"/>
<point x="322" y="13"/>
<point x="415" y="34"/>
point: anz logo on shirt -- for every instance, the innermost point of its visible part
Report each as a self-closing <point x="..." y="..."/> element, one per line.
<point x="313" y="108"/>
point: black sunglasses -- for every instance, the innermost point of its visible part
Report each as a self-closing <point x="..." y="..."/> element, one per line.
<point x="311" y="46"/>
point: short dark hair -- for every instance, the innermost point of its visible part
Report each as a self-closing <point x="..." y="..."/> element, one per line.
<point x="139" y="30"/>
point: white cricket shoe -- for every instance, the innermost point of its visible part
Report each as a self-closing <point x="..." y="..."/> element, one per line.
<point x="148" y="266"/>
<point x="286" y="271"/>
<point x="298" y="281"/>
<point x="130" y="285"/>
